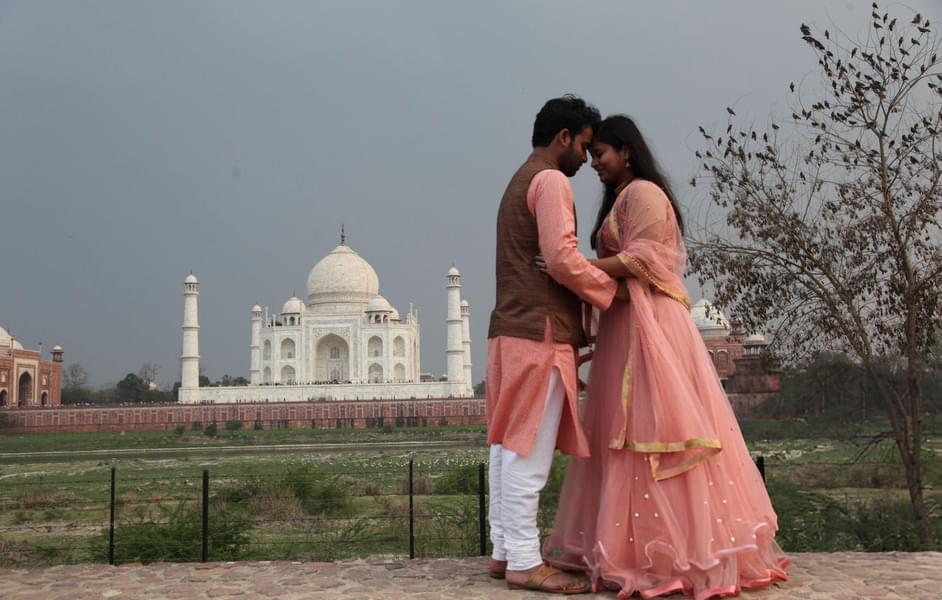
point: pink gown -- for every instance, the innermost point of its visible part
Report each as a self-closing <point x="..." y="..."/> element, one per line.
<point x="669" y="500"/>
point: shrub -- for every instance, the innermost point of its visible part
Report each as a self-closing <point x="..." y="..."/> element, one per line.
<point x="17" y="553"/>
<point x="37" y="500"/>
<point x="448" y="527"/>
<point x="886" y="524"/>
<point x="210" y="430"/>
<point x="810" y="522"/>
<point x="233" y="425"/>
<point x="277" y="503"/>
<point x="421" y="485"/>
<point x="175" y="535"/>
<point x="318" y="493"/>
<point x="462" y="480"/>
<point x="179" y="430"/>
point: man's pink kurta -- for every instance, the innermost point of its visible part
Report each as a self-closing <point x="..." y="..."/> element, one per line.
<point x="518" y="369"/>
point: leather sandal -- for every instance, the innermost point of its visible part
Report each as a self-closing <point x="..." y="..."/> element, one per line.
<point x="497" y="569"/>
<point x="538" y="578"/>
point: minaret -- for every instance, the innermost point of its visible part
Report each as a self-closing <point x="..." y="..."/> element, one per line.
<point x="255" y="369"/>
<point x="466" y="343"/>
<point x="190" y="359"/>
<point x="455" y="371"/>
<point x="416" y="344"/>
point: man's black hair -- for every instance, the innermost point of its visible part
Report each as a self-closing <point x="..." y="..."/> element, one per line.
<point x="568" y="112"/>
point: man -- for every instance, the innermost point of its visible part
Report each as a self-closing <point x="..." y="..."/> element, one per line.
<point x="534" y="335"/>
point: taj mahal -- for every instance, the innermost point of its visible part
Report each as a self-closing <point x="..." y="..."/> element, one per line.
<point x="347" y="342"/>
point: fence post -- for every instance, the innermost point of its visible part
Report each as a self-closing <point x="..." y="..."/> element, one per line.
<point x="111" y="518"/>
<point x="411" y="514"/>
<point x="205" y="553"/>
<point x="760" y="464"/>
<point x="482" y="526"/>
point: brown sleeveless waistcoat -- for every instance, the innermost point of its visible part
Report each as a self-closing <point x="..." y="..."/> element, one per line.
<point x="525" y="295"/>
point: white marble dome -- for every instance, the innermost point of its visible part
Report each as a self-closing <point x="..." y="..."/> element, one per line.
<point x="6" y="338"/>
<point x="191" y="278"/>
<point x="341" y="278"/>
<point x="293" y="306"/>
<point x="708" y="318"/>
<point x="379" y="304"/>
<point x="756" y="339"/>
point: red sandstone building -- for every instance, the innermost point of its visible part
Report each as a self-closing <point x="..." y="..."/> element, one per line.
<point x="749" y="375"/>
<point x="26" y="380"/>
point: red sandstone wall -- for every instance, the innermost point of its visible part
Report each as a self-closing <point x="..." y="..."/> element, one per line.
<point x="729" y="346"/>
<point x="320" y="415"/>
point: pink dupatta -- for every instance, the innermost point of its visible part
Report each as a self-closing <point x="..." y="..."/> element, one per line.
<point x="660" y="391"/>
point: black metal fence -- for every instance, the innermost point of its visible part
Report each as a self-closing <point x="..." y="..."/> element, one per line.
<point x="296" y="512"/>
<point x="302" y="512"/>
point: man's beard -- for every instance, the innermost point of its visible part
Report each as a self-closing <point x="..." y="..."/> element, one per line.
<point x="569" y="165"/>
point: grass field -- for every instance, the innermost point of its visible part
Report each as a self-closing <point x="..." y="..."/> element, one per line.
<point x="841" y="491"/>
<point x="46" y="442"/>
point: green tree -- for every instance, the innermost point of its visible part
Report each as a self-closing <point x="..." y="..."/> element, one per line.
<point x="831" y="238"/>
<point x="227" y="380"/>
<point x="131" y="389"/>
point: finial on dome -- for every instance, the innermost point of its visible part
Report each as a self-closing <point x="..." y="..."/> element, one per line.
<point x="343" y="236"/>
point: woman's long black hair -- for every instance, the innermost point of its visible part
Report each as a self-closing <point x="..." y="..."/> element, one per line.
<point x="619" y="131"/>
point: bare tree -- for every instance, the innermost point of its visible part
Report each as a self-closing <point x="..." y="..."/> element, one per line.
<point x="148" y="372"/>
<point x="74" y="376"/>
<point x="831" y="237"/>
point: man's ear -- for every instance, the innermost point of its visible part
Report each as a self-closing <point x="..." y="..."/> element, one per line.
<point x="564" y="137"/>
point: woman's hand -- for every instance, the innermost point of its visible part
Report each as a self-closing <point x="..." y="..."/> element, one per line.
<point x="540" y="263"/>
<point x="621" y="290"/>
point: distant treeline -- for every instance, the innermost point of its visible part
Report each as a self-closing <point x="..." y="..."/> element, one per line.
<point x="832" y="388"/>
<point x="133" y="389"/>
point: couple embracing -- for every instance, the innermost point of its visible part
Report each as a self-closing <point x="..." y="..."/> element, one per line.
<point x="660" y="495"/>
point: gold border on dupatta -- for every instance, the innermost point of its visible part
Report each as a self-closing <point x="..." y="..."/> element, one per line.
<point x="711" y="448"/>
<point x="619" y="442"/>
<point x="639" y="268"/>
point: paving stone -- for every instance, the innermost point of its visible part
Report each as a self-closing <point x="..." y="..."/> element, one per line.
<point x="223" y="592"/>
<point x="837" y="576"/>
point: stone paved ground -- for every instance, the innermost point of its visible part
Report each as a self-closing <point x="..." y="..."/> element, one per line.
<point x="837" y="576"/>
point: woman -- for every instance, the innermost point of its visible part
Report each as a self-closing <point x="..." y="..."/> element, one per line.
<point x="670" y="499"/>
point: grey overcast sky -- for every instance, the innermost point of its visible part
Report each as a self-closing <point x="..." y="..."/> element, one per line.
<point x="140" y="140"/>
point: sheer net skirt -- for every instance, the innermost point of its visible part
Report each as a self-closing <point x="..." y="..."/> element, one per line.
<point x="708" y="531"/>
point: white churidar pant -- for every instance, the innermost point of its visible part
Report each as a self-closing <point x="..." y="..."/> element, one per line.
<point x="515" y="483"/>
